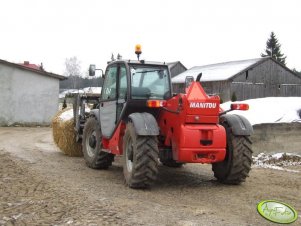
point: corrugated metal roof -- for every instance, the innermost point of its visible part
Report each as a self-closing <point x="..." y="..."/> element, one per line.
<point x="217" y="72"/>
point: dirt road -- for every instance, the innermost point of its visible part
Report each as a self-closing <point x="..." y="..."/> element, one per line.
<point x="41" y="186"/>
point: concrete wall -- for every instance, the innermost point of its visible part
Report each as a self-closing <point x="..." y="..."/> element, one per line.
<point x="279" y="137"/>
<point x="27" y="98"/>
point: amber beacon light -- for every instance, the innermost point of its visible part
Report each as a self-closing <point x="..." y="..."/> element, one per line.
<point x="138" y="50"/>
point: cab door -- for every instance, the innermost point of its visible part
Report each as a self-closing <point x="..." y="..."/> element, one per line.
<point x="121" y="91"/>
<point x="113" y="96"/>
<point x="107" y="109"/>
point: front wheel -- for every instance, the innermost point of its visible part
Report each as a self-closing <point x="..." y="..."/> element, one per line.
<point x="95" y="158"/>
<point x="237" y="164"/>
<point x="140" y="158"/>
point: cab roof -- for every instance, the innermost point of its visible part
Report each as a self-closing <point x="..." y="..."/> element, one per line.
<point x="142" y="62"/>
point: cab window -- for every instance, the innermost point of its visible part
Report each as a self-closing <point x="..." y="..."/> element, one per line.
<point x="109" y="86"/>
<point x="122" y="83"/>
<point x="150" y="83"/>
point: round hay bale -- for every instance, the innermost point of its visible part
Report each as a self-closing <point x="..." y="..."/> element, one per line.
<point x="64" y="134"/>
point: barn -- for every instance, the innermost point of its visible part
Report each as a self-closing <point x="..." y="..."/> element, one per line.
<point x="244" y="79"/>
<point x="29" y="94"/>
<point x="176" y="68"/>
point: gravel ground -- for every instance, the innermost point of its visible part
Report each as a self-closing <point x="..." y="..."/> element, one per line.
<point x="41" y="186"/>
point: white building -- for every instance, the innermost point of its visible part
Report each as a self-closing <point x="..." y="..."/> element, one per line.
<point x="28" y="94"/>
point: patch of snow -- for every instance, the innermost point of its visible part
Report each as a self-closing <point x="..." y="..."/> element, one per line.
<point x="279" y="155"/>
<point x="94" y="90"/>
<point x="270" y="110"/>
<point x="277" y="161"/>
<point x="70" y="91"/>
<point x="66" y="115"/>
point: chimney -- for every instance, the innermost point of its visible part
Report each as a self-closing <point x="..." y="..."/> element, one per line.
<point x="26" y="62"/>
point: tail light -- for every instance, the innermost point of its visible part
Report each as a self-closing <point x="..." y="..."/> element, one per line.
<point x="155" y="103"/>
<point x="241" y="107"/>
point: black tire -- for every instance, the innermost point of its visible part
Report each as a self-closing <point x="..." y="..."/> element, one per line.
<point x="172" y="163"/>
<point x="237" y="164"/>
<point x="140" y="158"/>
<point x="94" y="157"/>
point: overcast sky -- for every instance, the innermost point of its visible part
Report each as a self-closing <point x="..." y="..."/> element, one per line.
<point x="195" y="32"/>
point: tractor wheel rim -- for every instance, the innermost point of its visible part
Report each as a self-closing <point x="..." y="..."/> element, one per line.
<point x="129" y="155"/>
<point x="91" y="144"/>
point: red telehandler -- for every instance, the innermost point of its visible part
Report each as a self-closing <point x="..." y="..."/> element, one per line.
<point x="139" y="117"/>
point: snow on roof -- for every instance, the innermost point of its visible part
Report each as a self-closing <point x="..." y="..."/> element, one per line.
<point x="216" y="72"/>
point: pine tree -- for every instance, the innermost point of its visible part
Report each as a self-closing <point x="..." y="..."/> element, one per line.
<point x="233" y="97"/>
<point x="273" y="49"/>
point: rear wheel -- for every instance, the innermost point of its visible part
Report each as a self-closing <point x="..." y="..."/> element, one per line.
<point x="94" y="157"/>
<point x="237" y="164"/>
<point x="140" y="158"/>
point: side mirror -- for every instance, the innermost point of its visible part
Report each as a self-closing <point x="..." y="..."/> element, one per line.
<point x="92" y="69"/>
<point x="161" y="74"/>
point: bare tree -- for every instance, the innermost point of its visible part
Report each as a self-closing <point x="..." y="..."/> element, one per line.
<point x="73" y="71"/>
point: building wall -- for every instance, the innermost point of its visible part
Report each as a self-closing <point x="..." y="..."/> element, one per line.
<point x="27" y="98"/>
<point x="221" y="88"/>
<point x="266" y="80"/>
<point x="178" y="87"/>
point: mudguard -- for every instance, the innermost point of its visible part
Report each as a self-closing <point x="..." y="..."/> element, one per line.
<point x="145" y="124"/>
<point x="239" y="124"/>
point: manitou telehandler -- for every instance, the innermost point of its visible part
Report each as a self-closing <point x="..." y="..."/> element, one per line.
<point x="139" y="117"/>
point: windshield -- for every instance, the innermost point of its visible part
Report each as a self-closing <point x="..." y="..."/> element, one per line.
<point x="150" y="82"/>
